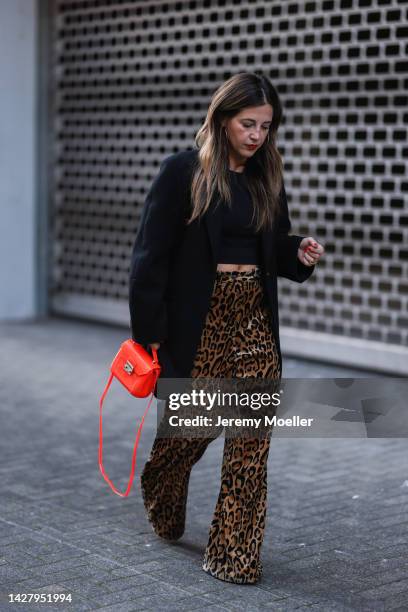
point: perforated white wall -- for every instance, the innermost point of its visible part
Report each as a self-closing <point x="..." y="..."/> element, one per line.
<point x="132" y="84"/>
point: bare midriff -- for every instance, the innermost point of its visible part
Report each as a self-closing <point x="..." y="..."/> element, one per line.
<point x="224" y="267"/>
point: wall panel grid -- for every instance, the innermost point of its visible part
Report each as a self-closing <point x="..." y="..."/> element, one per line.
<point x="132" y="82"/>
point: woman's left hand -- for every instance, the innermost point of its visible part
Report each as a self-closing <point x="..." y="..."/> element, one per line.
<point x="309" y="251"/>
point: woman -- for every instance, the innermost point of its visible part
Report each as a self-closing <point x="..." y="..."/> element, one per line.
<point x="213" y="238"/>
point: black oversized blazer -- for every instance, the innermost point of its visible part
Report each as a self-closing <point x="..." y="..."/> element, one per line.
<point x="173" y="266"/>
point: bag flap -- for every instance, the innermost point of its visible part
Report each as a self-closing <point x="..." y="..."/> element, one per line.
<point x="138" y="359"/>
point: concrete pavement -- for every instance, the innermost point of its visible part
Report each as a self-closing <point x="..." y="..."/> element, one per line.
<point x="337" y="530"/>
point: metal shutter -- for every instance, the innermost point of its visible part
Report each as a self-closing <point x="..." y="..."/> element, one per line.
<point x="132" y="84"/>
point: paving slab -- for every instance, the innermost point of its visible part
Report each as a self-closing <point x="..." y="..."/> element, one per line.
<point x="336" y="534"/>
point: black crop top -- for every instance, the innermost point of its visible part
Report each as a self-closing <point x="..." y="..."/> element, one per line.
<point x="239" y="244"/>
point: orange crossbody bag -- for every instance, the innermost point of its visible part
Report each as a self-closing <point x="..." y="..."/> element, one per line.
<point x="138" y="371"/>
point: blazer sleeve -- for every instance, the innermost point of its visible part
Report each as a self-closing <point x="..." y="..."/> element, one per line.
<point x="160" y="227"/>
<point x="288" y="264"/>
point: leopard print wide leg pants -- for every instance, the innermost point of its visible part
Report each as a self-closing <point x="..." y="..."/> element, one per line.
<point x="236" y="342"/>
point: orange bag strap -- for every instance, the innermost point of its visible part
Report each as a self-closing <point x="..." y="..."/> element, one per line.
<point x="134" y="454"/>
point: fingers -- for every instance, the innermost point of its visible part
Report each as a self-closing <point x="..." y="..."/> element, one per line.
<point x="308" y="260"/>
<point x="311" y="255"/>
<point x="314" y="251"/>
<point x="310" y="251"/>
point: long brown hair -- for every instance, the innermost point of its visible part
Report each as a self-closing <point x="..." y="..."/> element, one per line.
<point x="264" y="170"/>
